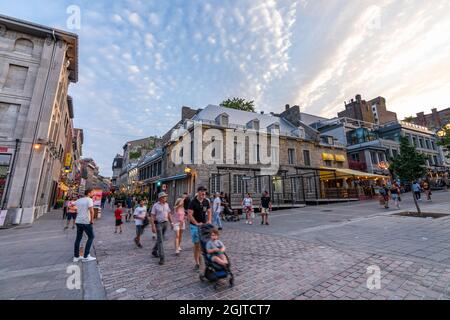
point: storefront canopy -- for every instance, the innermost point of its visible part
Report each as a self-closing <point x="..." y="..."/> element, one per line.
<point x="338" y="173"/>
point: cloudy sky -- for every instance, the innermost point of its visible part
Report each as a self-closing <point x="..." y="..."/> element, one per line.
<point x="141" y="61"/>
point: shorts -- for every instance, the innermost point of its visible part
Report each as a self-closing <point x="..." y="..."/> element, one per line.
<point x="71" y="216"/>
<point x="195" y="233"/>
<point x="394" y="196"/>
<point x="179" y="226"/>
<point x="264" y="210"/>
<point x="139" y="230"/>
<point x="118" y="222"/>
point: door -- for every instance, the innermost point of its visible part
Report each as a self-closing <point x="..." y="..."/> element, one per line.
<point x="5" y="160"/>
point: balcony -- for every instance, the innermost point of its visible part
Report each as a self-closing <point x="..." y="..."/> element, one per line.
<point x="357" y="165"/>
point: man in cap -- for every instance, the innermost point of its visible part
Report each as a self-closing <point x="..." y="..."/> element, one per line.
<point x="160" y="218"/>
<point x="199" y="213"/>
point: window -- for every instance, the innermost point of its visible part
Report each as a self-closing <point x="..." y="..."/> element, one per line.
<point x="433" y="145"/>
<point x="427" y="142"/>
<point x="414" y="141"/>
<point x="258" y="185"/>
<point x="394" y="153"/>
<point x="328" y="163"/>
<point x="192" y="151"/>
<point x="435" y="159"/>
<point x="274" y="153"/>
<point x="294" y="185"/>
<point x="238" y="184"/>
<point x="291" y="156"/>
<point x="16" y="77"/>
<point x="307" y="157"/>
<point x="373" y="157"/>
<point x="24" y="46"/>
<point x="159" y="168"/>
<point x="421" y="143"/>
<point x="355" y="156"/>
<point x="215" y="183"/>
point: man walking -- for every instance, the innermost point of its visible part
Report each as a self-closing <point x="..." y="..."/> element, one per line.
<point x="140" y="213"/>
<point x="160" y="221"/>
<point x="265" y="208"/>
<point x="199" y="213"/>
<point x="417" y="190"/>
<point x="84" y="223"/>
<point x="129" y="208"/>
<point x="217" y="204"/>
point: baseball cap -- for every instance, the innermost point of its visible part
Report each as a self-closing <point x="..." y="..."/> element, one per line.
<point x="162" y="194"/>
<point x="201" y="188"/>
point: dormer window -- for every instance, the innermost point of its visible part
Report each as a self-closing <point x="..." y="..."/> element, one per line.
<point x="274" y="126"/>
<point x="253" y="124"/>
<point x="222" y="120"/>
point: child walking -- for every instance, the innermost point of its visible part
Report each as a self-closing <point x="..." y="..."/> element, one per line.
<point x="216" y="249"/>
<point x="118" y="214"/>
<point x="179" y="223"/>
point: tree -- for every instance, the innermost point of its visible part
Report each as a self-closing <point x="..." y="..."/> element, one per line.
<point x="409" y="165"/>
<point x="239" y="104"/>
<point x="444" y="137"/>
<point x="409" y="119"/>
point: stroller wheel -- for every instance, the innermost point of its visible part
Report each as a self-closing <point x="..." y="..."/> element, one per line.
<point x="215" y="286"/>
<point x="202" y="278"/>
<point x="231" y="282"/>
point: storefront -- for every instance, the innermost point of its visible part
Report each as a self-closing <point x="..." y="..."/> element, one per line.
<point x="5" y="162"/>
<point x="343" y="183"/>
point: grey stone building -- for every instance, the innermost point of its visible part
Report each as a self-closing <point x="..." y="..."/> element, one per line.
<point x="37" y="63"/>
<point x="236" y="164"/>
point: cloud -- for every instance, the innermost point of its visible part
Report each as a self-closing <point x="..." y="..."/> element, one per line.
<point x="133" y="69"/>
<point x="135" y="20"/>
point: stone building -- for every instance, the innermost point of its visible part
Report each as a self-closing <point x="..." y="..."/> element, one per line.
<point x="37" y="64"/>
<point x="116" y="169"/>
<point x="232" y="151"/>
<point x="373" y="111"/>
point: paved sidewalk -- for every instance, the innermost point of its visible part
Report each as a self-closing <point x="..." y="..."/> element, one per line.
<point x="34" y="261"/>
<point x="271" y="265"/>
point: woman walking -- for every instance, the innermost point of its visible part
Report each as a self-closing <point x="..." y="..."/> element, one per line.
<point x="395" y="194"/>
<point x="247" y="205"/>
<point x="427" y="190"/>
<point x="179" y="223"/>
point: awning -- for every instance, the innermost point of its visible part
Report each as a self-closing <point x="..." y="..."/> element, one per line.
<point x="327" y="156"/>
<point x="331" y="173"/>
<point x="172" y="178"/>
<point x="340" y="158"/>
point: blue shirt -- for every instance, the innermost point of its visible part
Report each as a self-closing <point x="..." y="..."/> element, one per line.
<point x="416" y="187"/>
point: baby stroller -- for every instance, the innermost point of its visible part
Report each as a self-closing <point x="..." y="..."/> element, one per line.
<point x="230" y="215"/>
<point x="213" y="271"/>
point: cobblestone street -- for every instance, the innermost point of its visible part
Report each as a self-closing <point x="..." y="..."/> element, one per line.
<point x="288" y="260"/>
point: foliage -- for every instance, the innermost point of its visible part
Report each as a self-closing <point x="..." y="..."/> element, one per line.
<point x="59" y="203"/>
<point x="409" y="119"/>
<point x="135" y="154"/>
<point x="444" y="137"/>
<point x="239" y="104"/>
<point x="408" y="165"/>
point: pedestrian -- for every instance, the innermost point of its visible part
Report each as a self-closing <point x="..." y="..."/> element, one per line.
<point x="179" y="223"/>
<point x="103" y="201"/>
<point x="160" y="218"/>
<point x="384" y="196"/>
<point x="118" y="215"/>
<point x="217" y="205"/>
<point x="417" y="190"/>
<point x="112" y="202"/>
<point x="222" y="206"/>
<point x="129" y="203"/>
<point x="395" y="194"/>
<point x="199" y="213"/>
<point x="216" y="249"/>
<point x="71" y="213"/>
<point x="247" y="205"/>
<point x="85" y="223"/>
<point x="65" y="206"/>
<point x="265" y="208"/>
<point x="140" y="215"/>
<point x="427" y="190"/>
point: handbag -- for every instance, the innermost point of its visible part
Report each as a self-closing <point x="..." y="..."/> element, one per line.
<point x="145" y="222"/>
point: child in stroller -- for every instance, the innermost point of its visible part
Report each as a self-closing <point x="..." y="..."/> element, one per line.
<point x="217" y="263"/>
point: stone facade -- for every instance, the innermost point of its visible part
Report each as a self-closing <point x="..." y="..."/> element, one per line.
<point x="37" y="64"/>
<point x="434" y="120"/>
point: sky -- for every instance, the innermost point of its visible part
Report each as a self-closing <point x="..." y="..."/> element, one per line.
<point x="141" y="61"/>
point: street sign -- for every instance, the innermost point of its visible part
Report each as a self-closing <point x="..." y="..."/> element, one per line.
<point x="246" y="178"/>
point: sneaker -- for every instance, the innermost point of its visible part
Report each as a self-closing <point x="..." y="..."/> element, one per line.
<point x="250" y="222"/>
<point x="154" y="237"/>
<point x="220" y="229"/>
<point x="179" y="249"/>
<point x="155" y="255"/>
<point x="66" y="227"/>
<point x="75" y="259"/>
<point x="73" y="227"/>
<point x="139" y="245"/>
<point x="197" y="267"/>
<point x="177" y="252"/>
<point x="161" y="262"/>
<point x="267" y="223"/>
<point x="115" y="231"/>
<point x="262" y="222"/>
<point x="246" y="222"/>
<point x="89" y="258"/>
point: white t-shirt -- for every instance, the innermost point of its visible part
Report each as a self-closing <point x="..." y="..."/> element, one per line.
<point x="216" y="205"/>
<point x="83" y="205"/>
<point x="139" y="212"/>
<point x="248" y="202"/>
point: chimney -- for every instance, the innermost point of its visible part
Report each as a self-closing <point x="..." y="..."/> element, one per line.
<point x="287" y="107"/>
<point x="358" y="98"/>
